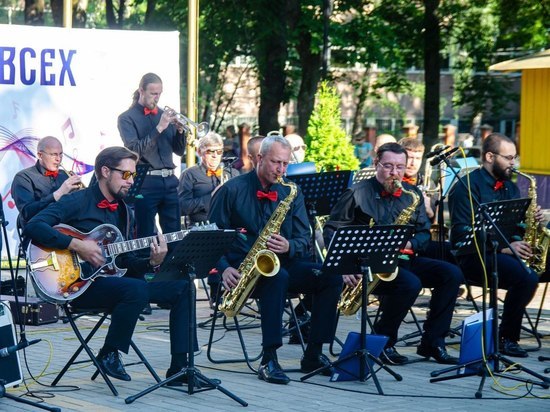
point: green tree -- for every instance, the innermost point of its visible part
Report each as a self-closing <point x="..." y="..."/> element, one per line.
<point x="328" y="145"/>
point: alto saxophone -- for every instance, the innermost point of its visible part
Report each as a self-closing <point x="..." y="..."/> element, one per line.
<point x="259" y="261"/>
<point x="536" y="235"/>
<point x="351" y="298"/>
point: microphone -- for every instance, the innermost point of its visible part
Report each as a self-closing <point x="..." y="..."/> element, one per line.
<point x="229" y="159"/>
<point x="439" y="158"/>
<point x="4" y="352"/>
<point x="437" y="151"/>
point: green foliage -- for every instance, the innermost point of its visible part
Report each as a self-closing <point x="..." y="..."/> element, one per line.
<point x="328" y="145"/>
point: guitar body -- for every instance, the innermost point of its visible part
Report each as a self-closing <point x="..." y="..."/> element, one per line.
<point x="60" y="275"/>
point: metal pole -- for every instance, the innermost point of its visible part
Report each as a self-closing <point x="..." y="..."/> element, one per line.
<point x="192" y="75"/>
<point x="67" y="14"/>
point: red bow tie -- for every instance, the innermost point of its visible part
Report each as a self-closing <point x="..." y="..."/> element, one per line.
<point x="499" y="184"/>
<point x="217" y="172"/>
<point x="269" y="195"/>
<point x="147" y="111"/>
<point x="409" y="180"/>
<point x="104" y="204"/>
<point x="51" y="173"/>
<point x="397" y="193"/>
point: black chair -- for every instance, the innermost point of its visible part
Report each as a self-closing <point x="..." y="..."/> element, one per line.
<point x="71" y="315"/>
<point x="251" y="315"/>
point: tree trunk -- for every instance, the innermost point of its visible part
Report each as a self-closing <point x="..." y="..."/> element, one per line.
<point x="311" y="74"/>
<point x="432" y="45"/>
<point x="271" y="54"/>
<point x="34" y="12"/>
<point x="115" y="20"/>
<point x="79" y="13"/>
<point x="364" y="84"/>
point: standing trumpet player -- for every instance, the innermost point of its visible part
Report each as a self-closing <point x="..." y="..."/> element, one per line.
<point x="154" y="135"/>
<point x="380" y="200"/>
<point x="35" y="187"/>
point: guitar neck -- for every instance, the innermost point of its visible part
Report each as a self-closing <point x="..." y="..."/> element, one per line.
<point x="117" y="248"/>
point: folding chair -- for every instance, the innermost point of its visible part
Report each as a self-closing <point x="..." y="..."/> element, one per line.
<point x="249" y="312"/>
<point x="71" y="315"/>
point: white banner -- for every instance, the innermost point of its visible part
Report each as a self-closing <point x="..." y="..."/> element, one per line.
<point x="72" y="84"/>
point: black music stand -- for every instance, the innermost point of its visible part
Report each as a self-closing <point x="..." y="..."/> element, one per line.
<point x="133" y="193"/>
<point x="197" y="253"/>
<point x="321" y="192"/>
<point x="496" y="220"/>
<point x="362" y="174"/>
<point x="364" y="249"/>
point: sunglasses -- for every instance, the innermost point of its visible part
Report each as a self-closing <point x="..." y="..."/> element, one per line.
<point x="219" y="152"/>
<point x="126" y="174"/>
<point x="296" y="148"/>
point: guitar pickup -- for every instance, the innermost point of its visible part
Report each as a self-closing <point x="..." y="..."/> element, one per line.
<point x="51" y="260"/>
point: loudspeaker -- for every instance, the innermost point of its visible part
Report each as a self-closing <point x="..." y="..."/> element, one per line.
<point x="10" y="368"/>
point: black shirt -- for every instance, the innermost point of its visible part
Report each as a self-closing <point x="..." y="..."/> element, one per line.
<point x="79" y="210"/>
<point x="364" y="202"/>
<point x="482" y="186"/>
<point x="195" y="191"/>
<point x="235" y="205"/>
<point x="139" y="134"/>
<point x="32" y="191"/>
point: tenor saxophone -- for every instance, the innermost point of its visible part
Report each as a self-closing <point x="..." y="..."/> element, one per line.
<point x="351" y="298"/>
<point x="259" y="261"/>
<point x="536" y="235"/>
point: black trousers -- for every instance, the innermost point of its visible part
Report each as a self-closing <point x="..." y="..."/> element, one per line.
<point x="521" y="287"/>
<point x="399" y="295"/>
<point x="298" y="276"/>
<point x="125" y="298"/>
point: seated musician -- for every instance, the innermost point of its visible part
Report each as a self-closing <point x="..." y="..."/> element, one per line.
<point x="378" y="199"/>
<point x="248" y="201"/>
<point x="415" y="153"/>
<point x="491" y="183"/>
<point x="197" y="184"/>
<point x="124" y="297"/>
<point x="37" y="186"/>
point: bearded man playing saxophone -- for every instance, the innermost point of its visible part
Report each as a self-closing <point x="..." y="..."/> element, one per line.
<point x="492" y="183"/>
<point x="379" y="199"/>
<point x="248" y="202"/>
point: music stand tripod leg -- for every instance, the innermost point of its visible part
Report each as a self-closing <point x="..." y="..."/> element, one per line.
<point x="193" y="375"/>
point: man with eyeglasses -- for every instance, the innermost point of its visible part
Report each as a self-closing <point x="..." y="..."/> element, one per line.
<point x="124" y="297"/>
<point x="155" y="135"/>
<point x="376" y="200"/>
<point x="197" y="185"/>
<point x="37" y="186"/>
<point x="492" y="183"/>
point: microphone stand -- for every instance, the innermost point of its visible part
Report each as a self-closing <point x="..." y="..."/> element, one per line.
<point x="495" y="356"/>
<point x="23" y="339"/>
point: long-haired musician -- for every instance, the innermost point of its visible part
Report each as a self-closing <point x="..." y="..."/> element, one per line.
<point x="124" y="297"/>
<point x="155" y="135"/>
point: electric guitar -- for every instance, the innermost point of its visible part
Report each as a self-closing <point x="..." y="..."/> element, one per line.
<point x="61" y="275"/>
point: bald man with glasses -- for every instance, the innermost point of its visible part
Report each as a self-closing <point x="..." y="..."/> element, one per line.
<point x="36" y="187"/>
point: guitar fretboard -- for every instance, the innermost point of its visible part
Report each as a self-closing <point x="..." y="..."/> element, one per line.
<point x="117" y="248"/>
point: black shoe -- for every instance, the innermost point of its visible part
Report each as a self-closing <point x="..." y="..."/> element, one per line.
<point x="273" y="373"/>
<point x="184" y="380"/>
<point x="511" y="348"/>
<point x="147" y="310"/>
<point x="112" y="365"/>
<point x="391" y="356"/>
<point x="439" y="353"/>
<point x="308" y="365"/>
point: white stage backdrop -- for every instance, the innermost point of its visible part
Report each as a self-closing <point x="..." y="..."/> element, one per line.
<point x="72" y="84"/>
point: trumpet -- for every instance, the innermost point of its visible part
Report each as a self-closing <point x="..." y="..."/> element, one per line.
<point x="71" y="173"/>
<point x="201" y="128"/>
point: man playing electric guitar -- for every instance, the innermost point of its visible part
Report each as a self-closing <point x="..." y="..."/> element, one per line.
<point x="124" y="297"/>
